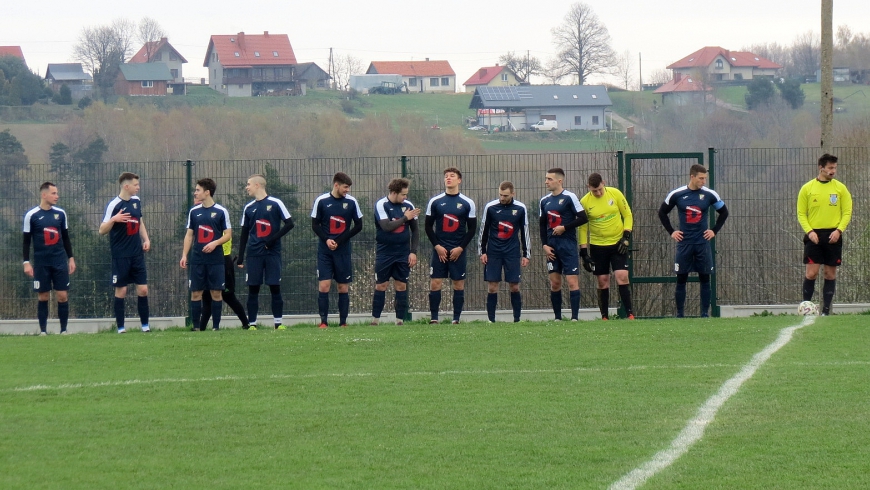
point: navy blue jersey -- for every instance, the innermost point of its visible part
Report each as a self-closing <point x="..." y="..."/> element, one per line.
<point x="264" y="217"/>
<point x="450" y="214"/>
<point x="693" y="208"/>
<point x="505" y="230"/>
<point x="208" y="225"/>
<point x="336" y="214"/>
<point x="560" y="209"/>
<point x="46" y="229"/>
<point x="124" y="238"/>
<point x="396" y="242"/>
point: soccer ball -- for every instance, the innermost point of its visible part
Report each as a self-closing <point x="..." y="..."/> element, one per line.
<point x="808" y="308"/>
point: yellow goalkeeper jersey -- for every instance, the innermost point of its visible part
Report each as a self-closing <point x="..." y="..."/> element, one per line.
<point x="609" y="215"/>
<point x="823" y="205"/>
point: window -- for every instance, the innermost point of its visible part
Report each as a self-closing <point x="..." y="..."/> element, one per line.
<point x="577" y="120"/>
<point x="504" y="77"/>
<point x="157" y="57"/>
<point x="257" y="54"/>
<point x="147" y="83"/>
<point x="412" y="81"/>
<point x="445" y="82"/>
<point x="595" y="120"/>
<point x="258" y="73"/>
<point x="237" y="54"/>
<point x="275" y="54"/>
<point x="173" y="56"/>
<point x="433" y="82"/>
<point x="174" y="73"/>
<point x="214" y="56"/>
<point x="279" y="72"/>
<point x="719" y="64"/>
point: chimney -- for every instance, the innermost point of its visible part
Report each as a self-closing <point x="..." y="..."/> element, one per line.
<point x="427" y="59"/>
<point x="677" y="77"/>
<point x="163" y="40"/>
<point x="482" y="72"/>
<point x="241" y="40"/>
<point x="266" y="33"/>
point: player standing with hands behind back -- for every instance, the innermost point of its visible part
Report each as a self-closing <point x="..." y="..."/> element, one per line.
<point x="693" y="203"/>
<point x="824" y="209"/>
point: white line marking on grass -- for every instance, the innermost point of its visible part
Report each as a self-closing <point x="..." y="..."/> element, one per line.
<point x="694" y="429"/>
<point x="132" y="382"/>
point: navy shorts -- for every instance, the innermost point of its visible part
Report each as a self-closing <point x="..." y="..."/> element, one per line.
<point x="606" y="257"/>
<point x="48" y="277"/>
<point x="334" y="267"/>
<point x="694" y="257"/>
<point x="207" y="277"/>
<point x="126" y="270"/>
<point x="455" y="270"/>
<point x="567" y="261"/>
<point x="397" y="268"/>
<point x="263" y="268"/>
<point x="494" y="266"/>
<point x="824" y="253"/>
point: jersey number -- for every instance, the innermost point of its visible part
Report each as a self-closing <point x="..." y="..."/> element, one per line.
<point x="450" y="223"/>
<point x="264" y="228"/>
<point x="505" y="230"/>
<point x="51" y="236"/>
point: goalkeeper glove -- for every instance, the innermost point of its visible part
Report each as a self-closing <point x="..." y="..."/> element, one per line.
<point x="588" y="265"/>
<point x="622" y="247"/>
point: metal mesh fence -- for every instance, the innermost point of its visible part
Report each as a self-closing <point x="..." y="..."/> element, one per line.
<point x="759" y="250"/>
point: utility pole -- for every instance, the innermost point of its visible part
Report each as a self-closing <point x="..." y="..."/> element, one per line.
<point x="640" y="71"/>
<point x="331" y="68"/>
<point x="827" y="68"/>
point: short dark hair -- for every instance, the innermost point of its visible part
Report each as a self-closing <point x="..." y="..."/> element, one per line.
<point x="594" y="180"/>
<point x="827" y="158"/>
<point x="207" y="185"/>
<point x="45" y="186"/>
<point x="396" y="185"/>
<point x="506" y="185"/>
<point x="454" y="170"/>
<point x="697" y="169"/>
<point x="127" y="176"/>
<point x="341" y="178"/>
<point x="558" y="171"/>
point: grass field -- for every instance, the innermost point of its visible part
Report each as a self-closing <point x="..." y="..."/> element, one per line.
<point x="529" y="405"/>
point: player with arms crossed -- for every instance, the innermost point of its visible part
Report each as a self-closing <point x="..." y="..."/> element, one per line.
<point x="451" y="223"/>
<point x="129" y="241"/>
<point x="265" y="220"/>
<point x="46" y="226"/>
<point x="504" y="244"/>
<point x="608" y="234"/>
<point x="397" y="240"/>
<point x="335" y="219"/>
<point x="208" y="228"/>
<point x="693" y="203"/>
<point x="560" y="215"/>
<point x="824" y="210"/>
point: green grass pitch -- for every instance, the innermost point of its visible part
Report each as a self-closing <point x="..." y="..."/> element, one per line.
<point x="528" y="405"/>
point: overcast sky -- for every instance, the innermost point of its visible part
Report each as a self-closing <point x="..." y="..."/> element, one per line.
<point x="469" y="34"/>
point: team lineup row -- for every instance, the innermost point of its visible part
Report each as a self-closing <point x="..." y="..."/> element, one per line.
<point x="593" y="232"/>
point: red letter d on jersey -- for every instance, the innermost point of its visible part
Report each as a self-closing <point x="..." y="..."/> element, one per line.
<point x="450" y="223"/>
<point x="51" y="236"/>
<point x="337" y="225"/>
<point x="204" y="234"/>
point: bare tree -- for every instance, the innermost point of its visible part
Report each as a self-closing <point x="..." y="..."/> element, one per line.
<point x="583" y="43"/>
<point x="554" y="71"/>
<point x="523" y="67"/>
<point x="806" y="52"/>
<point x="102" y="49"/>
<point x="659" y="77"/>
<point x="778" y="53"/>
<point x="345" y="66"/>
<point x="844" y="36"/>
<point x="624" y="69"/>
<point x="148" y="32"/>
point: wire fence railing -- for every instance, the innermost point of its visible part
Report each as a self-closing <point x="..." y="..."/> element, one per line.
<point x="758" y="251"/>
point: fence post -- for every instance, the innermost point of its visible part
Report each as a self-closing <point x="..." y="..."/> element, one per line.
<point x="714" y="303"/>
<point x="404" y="161"/>
<point x="188" y="173"/>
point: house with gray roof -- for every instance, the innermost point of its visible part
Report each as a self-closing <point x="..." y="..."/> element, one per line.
<point x="72" y="75"/>
<point x="517" y="108"/>
<point x="142" y="79"/>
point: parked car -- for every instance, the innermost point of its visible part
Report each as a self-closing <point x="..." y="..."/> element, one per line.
<point x="477" y="128"/>
<point x="544" y="125"/>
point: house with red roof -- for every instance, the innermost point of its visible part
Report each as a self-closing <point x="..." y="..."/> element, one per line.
<point x="243" y="65"/>
<point x="684" y="89"/>
<point x="163" y="52"/>
<point x="722" y="65"/>
<point x="12" y="51"/>
<point x="491" y="76"/>
<point x="418" y="76"/>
